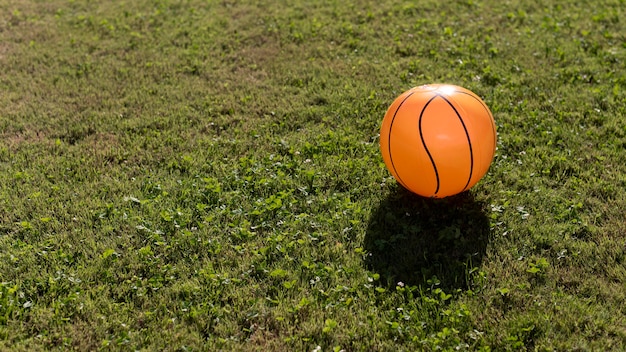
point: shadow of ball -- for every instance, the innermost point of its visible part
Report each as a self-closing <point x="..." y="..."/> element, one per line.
<point x="411" y="239"/>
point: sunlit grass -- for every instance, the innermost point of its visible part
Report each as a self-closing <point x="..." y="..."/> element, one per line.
<point x="205" y="175"/>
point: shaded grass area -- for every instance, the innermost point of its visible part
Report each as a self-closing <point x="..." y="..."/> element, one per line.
<point x="412" y="240"/>
<point x="194" y="175"/>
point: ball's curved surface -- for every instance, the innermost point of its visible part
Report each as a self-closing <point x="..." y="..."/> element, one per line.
<point x="438" y="140"/>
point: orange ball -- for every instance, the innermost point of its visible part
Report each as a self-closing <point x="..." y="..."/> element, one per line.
<point x="438" y="140"/>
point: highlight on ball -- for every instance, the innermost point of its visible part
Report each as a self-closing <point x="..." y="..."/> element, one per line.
<point x="438" y="140"/>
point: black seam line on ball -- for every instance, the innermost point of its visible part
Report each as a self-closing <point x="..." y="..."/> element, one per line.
<point x="389" y="147"/>
<point x="469" y="141"/>
<point x="493" y="124"/>
<point x="424" y="143"/>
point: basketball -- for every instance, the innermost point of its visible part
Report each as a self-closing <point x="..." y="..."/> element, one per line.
<point x="438" y="140"/>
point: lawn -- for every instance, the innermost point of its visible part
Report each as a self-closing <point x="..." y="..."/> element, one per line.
<point x="192" y="175"/>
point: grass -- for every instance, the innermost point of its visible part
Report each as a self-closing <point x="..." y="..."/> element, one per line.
<point x="205" y="175"/>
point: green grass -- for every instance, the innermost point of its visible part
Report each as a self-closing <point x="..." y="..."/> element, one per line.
<point x="205" y="175"/>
